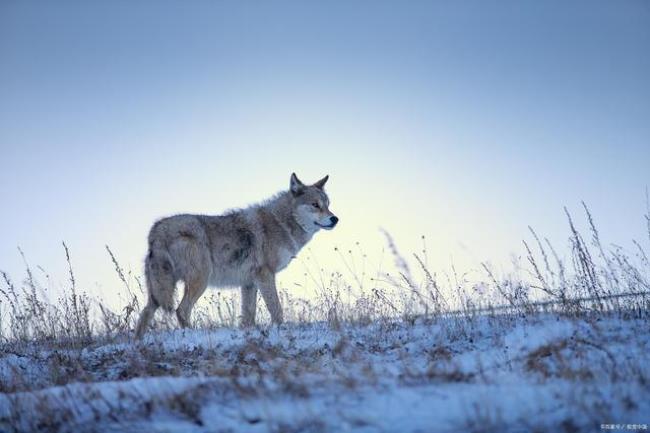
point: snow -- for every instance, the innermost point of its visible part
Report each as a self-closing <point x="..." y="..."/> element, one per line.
<point x="483" y="374"/>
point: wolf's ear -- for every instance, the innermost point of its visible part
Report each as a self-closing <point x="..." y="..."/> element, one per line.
<point x="321" y="183"/>
<point x="296" y="186"/>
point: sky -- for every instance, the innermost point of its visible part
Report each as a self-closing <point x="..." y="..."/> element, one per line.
<point x="461" y="121"/>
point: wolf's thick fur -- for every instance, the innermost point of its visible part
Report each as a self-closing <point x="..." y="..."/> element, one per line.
<point x="243" y="248"/>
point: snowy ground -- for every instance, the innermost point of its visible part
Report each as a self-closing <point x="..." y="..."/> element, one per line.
<point x="506" y="374"/>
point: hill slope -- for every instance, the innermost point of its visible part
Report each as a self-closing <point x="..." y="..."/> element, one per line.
<point x="482" y="374"/>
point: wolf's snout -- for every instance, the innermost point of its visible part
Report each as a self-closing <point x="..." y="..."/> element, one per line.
<point x="334" y="220"/>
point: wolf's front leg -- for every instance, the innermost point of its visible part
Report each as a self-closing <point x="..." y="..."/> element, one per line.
<point x="266" y="286"/>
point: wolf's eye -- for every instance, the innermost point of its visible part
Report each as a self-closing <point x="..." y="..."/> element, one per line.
<point x="315" y="205"/>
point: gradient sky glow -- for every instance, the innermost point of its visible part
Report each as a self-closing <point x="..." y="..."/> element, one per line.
<point x="462" y="121"/>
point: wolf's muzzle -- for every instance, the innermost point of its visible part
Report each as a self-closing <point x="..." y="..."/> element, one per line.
<point x="333" y="221"/>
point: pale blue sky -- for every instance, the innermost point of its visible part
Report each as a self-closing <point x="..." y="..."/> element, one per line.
<point x="462" y="121"/>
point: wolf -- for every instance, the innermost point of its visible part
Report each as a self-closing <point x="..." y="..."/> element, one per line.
<point x="244" y="248"/>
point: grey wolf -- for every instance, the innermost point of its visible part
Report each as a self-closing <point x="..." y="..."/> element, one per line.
<point x="244" y="248"/>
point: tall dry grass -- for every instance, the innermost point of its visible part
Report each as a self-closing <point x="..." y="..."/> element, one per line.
<point x="594" y="279"/>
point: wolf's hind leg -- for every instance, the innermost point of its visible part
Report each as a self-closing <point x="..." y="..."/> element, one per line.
<point x="194" y="265"/>
<point x="193" y="291"/>
<point x="248" y="305"/>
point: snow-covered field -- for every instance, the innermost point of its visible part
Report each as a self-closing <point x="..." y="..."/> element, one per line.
<point x="505" y="373"/>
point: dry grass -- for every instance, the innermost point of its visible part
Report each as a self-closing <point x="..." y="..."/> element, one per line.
<point x="593" y="280"/>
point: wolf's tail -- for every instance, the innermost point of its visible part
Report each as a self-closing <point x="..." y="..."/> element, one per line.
<point x="161" y="283"/>
<point x="159" y="274"/>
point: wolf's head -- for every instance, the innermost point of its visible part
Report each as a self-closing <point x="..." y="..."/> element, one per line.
<point x="311" y="205"/>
